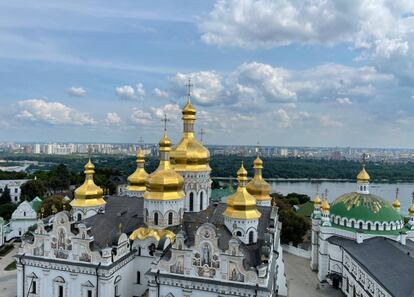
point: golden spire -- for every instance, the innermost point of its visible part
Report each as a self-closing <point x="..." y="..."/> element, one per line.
<point x="242" y="205"/>
<point x="88" y="194"/>
<point x="258" y="187"/>
<point x="363" y="175"/>
<point x="325" y="203"/>
<point x="138" y="179"/>
<point x="189" y="154"/>
<point x="396" y="203"/>
<point x="164" y="183"/>
<point x="317" y="200"/>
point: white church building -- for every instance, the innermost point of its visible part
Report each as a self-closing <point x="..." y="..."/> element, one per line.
<point x="164" y="238"/>
<point x="361" y="245"/>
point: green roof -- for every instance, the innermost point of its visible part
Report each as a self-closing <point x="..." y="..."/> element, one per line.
<point x="306" y="209"/>
<point x="366" y="207"/>
<point x="217" y="195"/>
<point x="36" y="203"/>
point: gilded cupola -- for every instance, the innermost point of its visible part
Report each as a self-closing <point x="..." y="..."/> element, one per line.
<point x="317" y="200"/>
<point x="411" y="208"/>
<point x="396" y="203"/>
<point x="164" y="183"/>
<point x="325" y="205"/>
<point x="189" y="154"/>
<point x="242" y="205"/>
<point x="137" y="180"/>
<point x="363" y="175"/>
<point x="88" y="194"/>
<point x="258" y="187"/>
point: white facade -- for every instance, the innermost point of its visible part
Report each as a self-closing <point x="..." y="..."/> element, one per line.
<point x="14" y="186"/>
<point x="22" y="218"/>
<point x="197" y="186"/>
<point x="163" y="213"/>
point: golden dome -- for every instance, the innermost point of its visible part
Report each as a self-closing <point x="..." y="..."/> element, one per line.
<point x="396" y="203"/>
<point x="88" y="194"/>
<point x="138" y="179"/>
<point x="325" y="205"/>
<point x="411" y="209"/>
<point x="363" y="175"/>
<point x="242" y="205"/>
<point x="164" y="183"/>
<point x="143" y="233"/>
<point x="317" y="200"/>
<point x="189" y="154"/>
<point x="258" y="187"/>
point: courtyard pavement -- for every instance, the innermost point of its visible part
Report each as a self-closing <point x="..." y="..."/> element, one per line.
<point x="302" y="281"/>
<point x="8" y="279"/>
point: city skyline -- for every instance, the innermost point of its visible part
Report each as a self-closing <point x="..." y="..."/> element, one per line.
<point x="336" y="75"/>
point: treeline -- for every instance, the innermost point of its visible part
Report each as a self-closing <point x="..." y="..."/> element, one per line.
<point x="227" y="166"/>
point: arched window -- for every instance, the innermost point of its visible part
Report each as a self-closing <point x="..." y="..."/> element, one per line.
<point x="138" y="277"/>
<point x="156" y="218"/>
<point x="369" y="226"/>
<point x="191" y="201"/>
<point x="353" y="224"/>
<point x="376" y="226"/>
<point x="238" y="233"/>
<point x="360" y="225"/>
<point x="365" y="188"/>
<point x="345" y="222"/>
<point x="79" y="217"/>
<point x="170" y="218"/>
<point x="251" y="236"/>
<point x="201" y="200"/>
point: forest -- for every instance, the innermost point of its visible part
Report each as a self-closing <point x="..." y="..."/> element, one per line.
<point x="226" y="166"/>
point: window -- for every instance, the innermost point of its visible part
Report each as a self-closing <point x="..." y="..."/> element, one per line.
<point x="369" y="226"/>
<point x="238" y="233"/>
<point x="360" y="225"/>
<point x="138" y="277"/>
<point x="251" y="236"/>
<point x="116" y="291"/>
<point x="191" y="201"/>
<point x="201" y="200"/>
<point x="139" y="251"/>
<point x="33" y="288"/>
<point x="170" y="218"/>
<point x="155" y="218"/>
<point x="60" y="291"/>
<point x="89" y="293"/>
<point x="24" y="213"/>
<point x="16" y="190"/>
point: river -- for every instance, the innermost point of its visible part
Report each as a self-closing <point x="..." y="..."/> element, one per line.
<point x="335" y="189"/>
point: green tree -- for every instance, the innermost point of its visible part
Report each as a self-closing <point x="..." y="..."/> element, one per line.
<point x="295" y="227"/>
<point x="53" y="204"/>
<point x="5" y="196"/>
<point x="31" y="189"/>
<point x="6" y="210"/>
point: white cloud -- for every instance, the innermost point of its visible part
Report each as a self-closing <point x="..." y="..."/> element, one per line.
<point x="207" y="86"/>
<point x="172" y="111"/>
<point x="331" y="80"/>
<point x="344" y="101"/>
<point x="140" y="117"/>
<point x="130" y="93"/>
<point x="266" y="81"/>
<point x="327" y="121"/>
<point x="160" y="93"/>
<point x="54" y="113"/>
<point x="282" y="118"/>
<point x="112" y="118"/>
<point x="76" y="91"/>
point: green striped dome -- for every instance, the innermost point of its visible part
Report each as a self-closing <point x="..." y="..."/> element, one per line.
<point x="365" y="207"/>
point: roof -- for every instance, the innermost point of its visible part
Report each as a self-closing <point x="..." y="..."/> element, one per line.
<point x="306" y="209"/>
<point x="118" y="210"/>
<point x="217" y="195"/>
<point x="214" y="215"/>
<point x="366" y="207"/>
<point x="36" y="203"/>
<point x="389" y="262"/>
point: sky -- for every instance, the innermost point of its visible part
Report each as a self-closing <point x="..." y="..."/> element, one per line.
<point x="277" y="72"/>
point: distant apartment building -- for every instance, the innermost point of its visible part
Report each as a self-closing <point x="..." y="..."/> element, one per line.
<point x="14" y="186"/>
